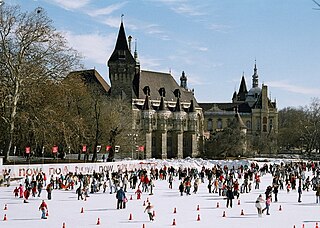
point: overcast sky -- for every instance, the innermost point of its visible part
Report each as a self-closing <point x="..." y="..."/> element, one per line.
<point x="213" y="41"/>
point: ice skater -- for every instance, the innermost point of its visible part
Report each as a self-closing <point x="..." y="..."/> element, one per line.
<point x="148" y="210"/>
<point x="258" y="204"/>
<point x="44" y="208"/>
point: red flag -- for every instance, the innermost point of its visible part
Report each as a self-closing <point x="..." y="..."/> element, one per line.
<point x="54" y="149"/>
<point x="27" y="150"/>
<point x="108" y="148"/>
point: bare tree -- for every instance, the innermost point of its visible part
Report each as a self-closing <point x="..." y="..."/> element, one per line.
<point x="31" y="52"/>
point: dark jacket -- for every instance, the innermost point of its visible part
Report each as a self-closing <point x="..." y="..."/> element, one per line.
<point x="229" y="194"/>
<point x="120" y="194"/>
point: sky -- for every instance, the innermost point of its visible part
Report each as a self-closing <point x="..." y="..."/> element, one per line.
<point x="65" y="208"/>
<point x="215" y="42"/>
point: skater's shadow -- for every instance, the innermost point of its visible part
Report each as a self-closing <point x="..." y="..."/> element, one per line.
<point x="135" y="221"/>
<point x="102" y="209"/>
<point x="25" y="219"/>
<point x="309" y="221"/>
<point x="244" y="216"/>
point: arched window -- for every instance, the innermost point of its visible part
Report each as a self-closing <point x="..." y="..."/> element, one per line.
<point x="210" y="125"/>
<point x="270" y="124"/>
<point x="265" y="120"/>
<point x="219" y="124"/>
<point x="248" y="124"/>
<point x="258" y="124"/>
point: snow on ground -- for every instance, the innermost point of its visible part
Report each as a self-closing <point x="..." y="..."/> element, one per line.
<point x="65" y="208"/>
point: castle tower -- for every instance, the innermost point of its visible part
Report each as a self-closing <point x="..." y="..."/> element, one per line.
<point x="190" y="136"/>
<point x="123" y="72"/>
<point x="179" y="117"/>
<point x="147" y="118"/>
<point x="163" y="115"/>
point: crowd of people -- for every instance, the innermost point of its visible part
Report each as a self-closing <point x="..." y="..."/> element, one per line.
<point x="223" y="181"/>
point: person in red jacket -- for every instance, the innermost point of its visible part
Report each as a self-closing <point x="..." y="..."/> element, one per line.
<point x="138" y="192"/>
<point x="43" y="207"/>
<point x="26" y="195"/>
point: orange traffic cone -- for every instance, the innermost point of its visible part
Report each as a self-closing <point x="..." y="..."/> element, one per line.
<point x="242" y="212"/>
<point x="144" y="203"/>
<point x="130" y="216"/>
<point x="198" y="219"/>
<point x="238" y="202"/>
<point x="217" y="204"/>
<point x="174" y="210"/>
<point x="198" y="208"/>
<point x="63" y="225"/>
<point x="174" y="222"/>
<point x="280" y="209"/>
<point x="5" y="207"/>
<point x="154" y="214"/>
<point x="224" y="214"/>
<point x="131" y="197"/>
<point x="81" y="210"/>
<point x="5" y="217"/>
<point x="98" y="222"/>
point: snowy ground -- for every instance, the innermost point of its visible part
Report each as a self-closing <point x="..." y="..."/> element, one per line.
<point x="65" y="208"/>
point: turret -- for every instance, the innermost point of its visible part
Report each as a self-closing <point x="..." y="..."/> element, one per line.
<point x="183" y="81"/>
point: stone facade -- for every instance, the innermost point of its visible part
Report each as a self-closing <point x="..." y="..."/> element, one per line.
<point x="166" y="115"/>
<point x="258" y="113"/>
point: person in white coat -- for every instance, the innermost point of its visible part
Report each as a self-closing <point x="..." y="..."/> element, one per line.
<point x="259" y="205"/>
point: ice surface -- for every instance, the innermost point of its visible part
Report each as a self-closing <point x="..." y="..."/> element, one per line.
<point x="65" y="208"/>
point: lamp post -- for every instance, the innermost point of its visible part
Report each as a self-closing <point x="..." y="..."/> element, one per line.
<point x="42" y="152"/>
<point x="133" y="143"/>
<point x="14" y="155"/>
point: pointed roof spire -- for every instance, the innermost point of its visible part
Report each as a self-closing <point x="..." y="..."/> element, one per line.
<point x="178" y="105"/>
<point x="162" y="105"/>
<point x="192" y="108"/>
<point x="121" y="50"/>
<point x="239" y="120"/>
<point x="255" y="82"/>
<point x="146" y="105"/>
<point x="242" y="89"/>
<point x="122" y="39"/>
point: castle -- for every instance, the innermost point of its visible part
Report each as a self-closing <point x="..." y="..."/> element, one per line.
<point x="170" y="121"/>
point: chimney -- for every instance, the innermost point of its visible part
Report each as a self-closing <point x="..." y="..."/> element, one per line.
<point x="129" y="41"/>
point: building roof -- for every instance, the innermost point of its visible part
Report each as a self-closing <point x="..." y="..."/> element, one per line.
<point x="121" y="51"/>
<point x="157" y="80"/>
<point x="91" y="77"/>
<point x="242" y="107"/>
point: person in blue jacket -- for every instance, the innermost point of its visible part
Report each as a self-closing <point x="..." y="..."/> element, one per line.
<point x="121" y="198"/>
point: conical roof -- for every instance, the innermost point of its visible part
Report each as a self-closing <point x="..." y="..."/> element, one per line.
<point x="121" y="50"/>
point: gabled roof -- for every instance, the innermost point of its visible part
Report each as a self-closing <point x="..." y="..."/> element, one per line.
<point x="91" y="77"/>
<point x="156" y="80"/>
<point x="258" y="103"/>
